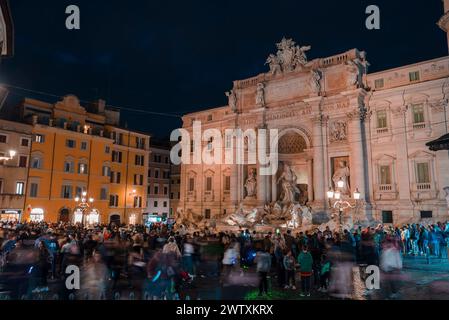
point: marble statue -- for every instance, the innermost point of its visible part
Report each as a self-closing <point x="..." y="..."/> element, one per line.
<point x="251" y="184"/>
<point x="260" y="95"/>
<point x="289" y="57"/>
<point x="288" y="184"/>
<point x="315" y="84"/>
<point x="274" y="64"/>
<point x="338" y="131"/>
<point x="353" y="74"/>
<point x="342" y="173"/>
<point x="232" y="100"/>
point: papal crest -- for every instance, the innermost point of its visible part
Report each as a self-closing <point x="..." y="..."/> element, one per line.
<point x="289" y="57"/>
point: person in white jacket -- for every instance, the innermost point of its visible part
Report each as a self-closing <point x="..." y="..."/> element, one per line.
<point x="391" y="266"/>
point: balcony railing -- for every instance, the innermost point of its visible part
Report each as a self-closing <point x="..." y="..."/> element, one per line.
<point x="382" y="130"/>
<point x="420" y="125"/>
<point x="385" y="187"/>
<point x="423" y="186"/>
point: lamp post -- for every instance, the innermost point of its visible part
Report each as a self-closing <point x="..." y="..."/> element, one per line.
<point x="341" y="204"/>
<point x="12" y="154"/>
<point x="84" y="203"/>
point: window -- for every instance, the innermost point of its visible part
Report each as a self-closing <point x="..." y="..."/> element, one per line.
<point x="83" y="145"/>
<point x="68" y="166"/>
<point x="378" y="83"/>
<point x="209" y="117"/>
<point x="20" y="188"/>
<point x="39" y="138"/>
<point x="139" y="160"/>
<point x="165" y="190"/>
<point x="172" y="195"/>
<point x="24" y="142"/>
<point x="107" y="149"/>
<point x="117" y="156"/>
<point x="113" y="200"/>
<point x="228" y="141"/>
<point x="191" y="184"/>
<point x="207" y="213"/>
<point x="36" y="163"/>
<point x="155" y="204"/>
<point x="79" y="191"/>
<point x="106" y="171"/>
<point x="381" y="119"/>
<point x="138" y="179"/>
<point x="140" y="143"/>
<point x="227" y="183"/>
<point x="425" y="214"/>
<point x="414" y="76"/>
<point x="82" y="168"/>
<point x="149" y="189"/>
<point x="156" y="190"/>
<point x="385" y="175"/>
<point x="387" y="216"/>
<point x="137" y="202"/>
<point x="422" y="172"/>
<point x="3" y="138"/>
<point x="115" y="177"/>
<point x="166" y="159"/>
<point x="33" y="190"/>
<point x="103" y="193"/>
<point x="149" y="173"/>
<point x="208" y="183"/>
<point x="23" y="161"/>
<point x="418" y="113"/>
<point x="156" y="174"/>
<point x="1" y="186"/>
<point x="66" y="192"/>
<point x="69" y="143"/>
<point x="165" y="204"/>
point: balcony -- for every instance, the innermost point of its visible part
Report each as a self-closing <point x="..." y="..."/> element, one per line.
<point x="424" y="191"/>
<point x="382" y="130"/>
<point x="385" y="192"/>
<point x="191" y="196"/>
<point x="11" y="200"/>
<point x="421" y="125"/>
<point x="208" y="196"/>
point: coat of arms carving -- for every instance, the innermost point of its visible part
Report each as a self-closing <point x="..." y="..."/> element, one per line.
<point x="289" y="57"/>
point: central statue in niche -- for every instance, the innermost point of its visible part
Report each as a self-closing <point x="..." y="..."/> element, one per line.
<point x="288" y="184"/>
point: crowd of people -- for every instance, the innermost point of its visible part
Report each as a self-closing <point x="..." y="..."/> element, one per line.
<point x="163" y="262"/>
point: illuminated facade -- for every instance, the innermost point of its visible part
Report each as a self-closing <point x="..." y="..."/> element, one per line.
<point x="78" y="150"/>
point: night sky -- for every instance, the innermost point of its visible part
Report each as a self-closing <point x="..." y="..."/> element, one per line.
<point x="180" y="56"/>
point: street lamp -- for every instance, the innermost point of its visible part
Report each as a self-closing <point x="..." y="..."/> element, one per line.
<point x="12" y="154"/>
<point x="341" y="204"/>
<point x="84" y="204"/>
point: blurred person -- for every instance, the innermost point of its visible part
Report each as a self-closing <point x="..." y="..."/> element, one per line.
<point x="391" y="266"/>
<point x="263" y="263"/>
<point x="305" y="262"/>
<point x="289" y="266"/>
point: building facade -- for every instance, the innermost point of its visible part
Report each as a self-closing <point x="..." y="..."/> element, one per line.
<point x="15" y="138"/>
<point x="81" y="152"/>
<point x="175" y="188"/>
<point x="335" y="122"/>
<point x="158" y="202"/>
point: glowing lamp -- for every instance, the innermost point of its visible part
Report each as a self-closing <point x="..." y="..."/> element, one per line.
<point x="330" y="193"/>
<point x="337" y="195"/>
<point x="340" y="183"/>
<point x="356" y="194"/>
<point x="12" y="153"/>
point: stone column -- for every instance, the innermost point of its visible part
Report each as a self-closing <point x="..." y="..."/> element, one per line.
<point x="261" y="188"/>
<point x="318" y="163"/>
<point x="310" y="180"/>
<point x="234" y="185"/>
<point x="357" y="141"/>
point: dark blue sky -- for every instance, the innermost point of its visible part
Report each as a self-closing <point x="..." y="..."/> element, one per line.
<point x="180" y="56"/>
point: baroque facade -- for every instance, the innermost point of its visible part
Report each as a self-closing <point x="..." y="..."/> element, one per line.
<point x="336" y="122"/>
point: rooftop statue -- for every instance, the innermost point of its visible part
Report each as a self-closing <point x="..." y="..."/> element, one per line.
<point x="289" y="57"/>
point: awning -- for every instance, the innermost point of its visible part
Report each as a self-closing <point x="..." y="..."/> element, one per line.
<point x="442" y="143"/>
